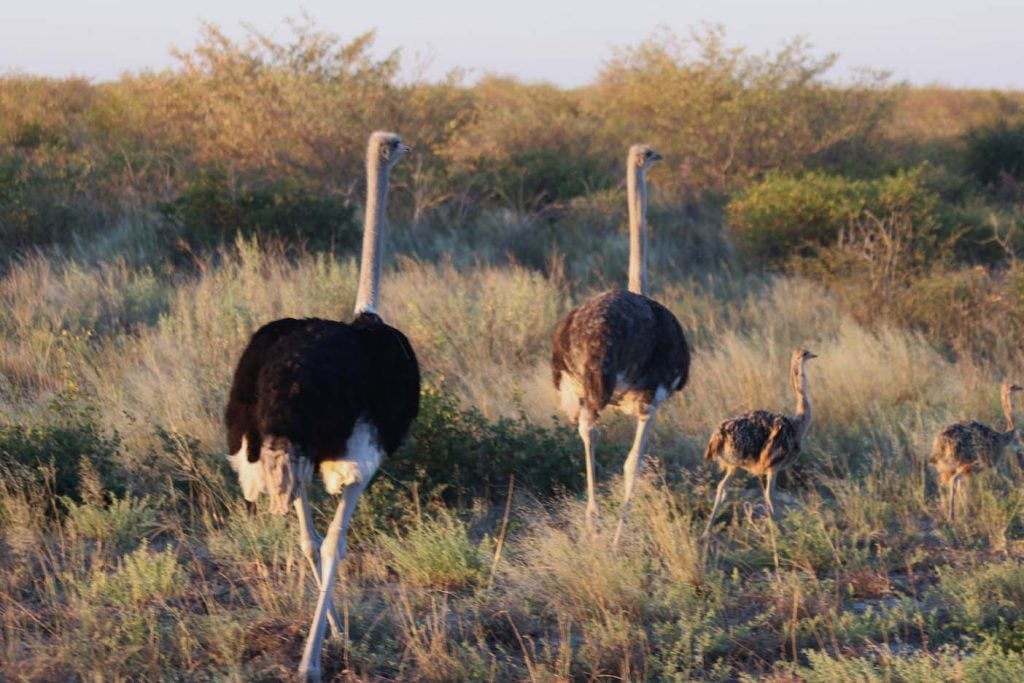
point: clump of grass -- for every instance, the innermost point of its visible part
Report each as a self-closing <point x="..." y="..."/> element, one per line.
<point x="979" y="664"/>
<point x="57" y="453"/>
<point x="248" y="540"/>
<point x="981" y="595"/>
<point x="437" y="553"/>
<point x="140" y="577"/>
<point x="121" y="525"/>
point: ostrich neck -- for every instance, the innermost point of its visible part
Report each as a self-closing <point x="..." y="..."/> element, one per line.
<point x="1008" y="411"/>
<point x="803" y="404"/>
<point x="636" y="186"/>
<point x="368" y="294"/>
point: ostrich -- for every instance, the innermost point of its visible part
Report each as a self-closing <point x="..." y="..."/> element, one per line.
<point x="761" y="442"/>
<point x="320" y="394"/>
<point x="620" y="348"/>
<point x="962" y="448"/>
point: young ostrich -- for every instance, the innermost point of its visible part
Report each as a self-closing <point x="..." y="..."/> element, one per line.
<point x="319" y="394"/>
<point x="965" y="447"/>
<point x="621" y="348"/>
<point x="761" y="442"/>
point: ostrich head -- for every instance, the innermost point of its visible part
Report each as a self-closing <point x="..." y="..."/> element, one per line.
<point x="1008" y="388"/>
<point x="796" y="366"/>
<point x="387" y="148"/>
<point x="642" y="157"/>
<point x="800" y="355"/>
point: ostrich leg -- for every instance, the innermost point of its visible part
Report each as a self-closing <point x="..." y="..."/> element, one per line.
<point x="634" y="463"/>
<point x="334" y="549"/>
<point x="588" y="433"/>
<point x="310" y="542"/>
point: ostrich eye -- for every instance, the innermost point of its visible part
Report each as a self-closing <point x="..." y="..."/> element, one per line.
<point x="648" y="153"/>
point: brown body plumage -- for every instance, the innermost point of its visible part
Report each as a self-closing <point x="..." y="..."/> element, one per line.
<point x="963" y="448"/>
<point x="620" y="348"/>
<point x="761" y="442"/>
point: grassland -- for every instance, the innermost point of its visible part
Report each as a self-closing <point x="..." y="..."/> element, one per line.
<point x="139" y="266"/>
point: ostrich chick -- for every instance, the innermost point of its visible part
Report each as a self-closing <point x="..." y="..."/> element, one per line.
<point x="965" y="447"/>
<point x="762" y="442"/>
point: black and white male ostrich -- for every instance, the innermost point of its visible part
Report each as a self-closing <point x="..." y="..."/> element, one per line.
<point x="761" y="442"/>
<point x="319" y="394"/>
<point x="621" y="348"/>
<point x="963" y="448"/>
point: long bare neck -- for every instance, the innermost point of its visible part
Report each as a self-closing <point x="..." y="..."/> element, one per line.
<point x="803" y="404"/>
<point x="1008" y="412"/>
<point x="368" y="294"/>
<point x="636" y="186"/>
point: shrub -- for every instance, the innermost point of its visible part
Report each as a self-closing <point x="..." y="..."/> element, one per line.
<point x="724" y="115"/>
<point x="461" y="453"/>
<point x="980" y="597"/>
<point x="785" y="212"/>
<point x="211" y="210"/>
<point x="141" y="577"/>
<point x="120" y="525"/>
<point x="890" y="223"/>
<point x="535" y="178"/>
<point x="33" y="209"/>
<point x="995" y="153"/>
<point x="437" y="553"/>
<point x="63" y="449"/>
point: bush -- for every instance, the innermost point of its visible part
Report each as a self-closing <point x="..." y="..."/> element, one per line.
<point x="995" y="153"/>
<point x="33" y="203"/>
<point x="211" y="210"/>
<point x="119" y="525"/>
<point x="784" y="213"/>
<point x="61" y="451"/>
<point x="723" y="115"/>
<point x="797" y="215"/>
<point x="535" y="178"/>
<point x="437" y="553"/>
<point x="461" y="453"/>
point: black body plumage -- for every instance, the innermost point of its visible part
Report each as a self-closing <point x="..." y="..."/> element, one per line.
<point x="622" y="340"/>
<point x="310" y="380"/>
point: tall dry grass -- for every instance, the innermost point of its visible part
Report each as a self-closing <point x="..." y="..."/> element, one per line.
<point x="170" y="575"/>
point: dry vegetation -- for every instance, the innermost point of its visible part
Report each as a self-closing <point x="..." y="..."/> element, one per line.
<point x="154" y="222"/>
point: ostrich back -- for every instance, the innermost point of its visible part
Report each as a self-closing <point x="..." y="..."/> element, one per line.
<point x="311" y="380"/>
<point x="966" y="443"/>
<point x="620" y="342"/>
<point x="240" y="412"/>
<point x="755" y="441"/>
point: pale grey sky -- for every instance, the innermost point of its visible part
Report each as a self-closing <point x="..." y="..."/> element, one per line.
<point x="961" y="43"/>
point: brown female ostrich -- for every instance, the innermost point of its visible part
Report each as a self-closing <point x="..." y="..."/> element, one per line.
<point x="761" y="442"/>
<point x="965" y="447"/>
<point x="620" y="348"/>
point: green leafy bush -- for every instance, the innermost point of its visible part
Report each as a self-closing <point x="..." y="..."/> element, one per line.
<point x="535" y="178"/>
<point x="33" y="206"/>
<point x="211" y="210"/>
<point x="788" y="215"/>
<point x="996" y="153"/>
<point x="31" y="452"/>
<point x="120" y="525"/>
<point x="437" y="553"/>
<point x="461" y="453"/>
<point x="786" y="212"/>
